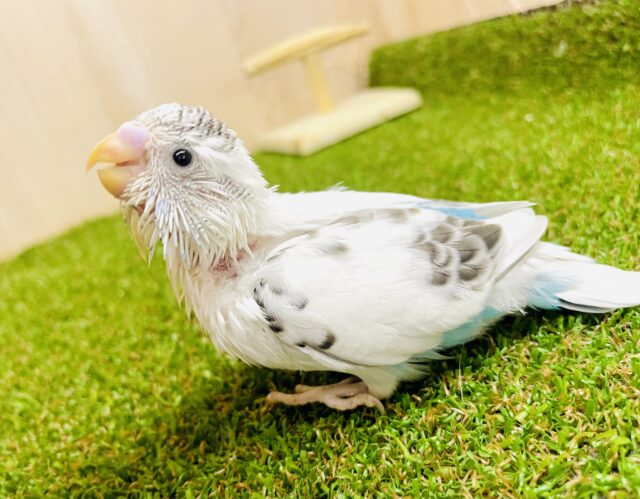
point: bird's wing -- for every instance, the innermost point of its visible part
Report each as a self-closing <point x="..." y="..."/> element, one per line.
<point x="305" y="210"/>
<point x="376" y="287"/>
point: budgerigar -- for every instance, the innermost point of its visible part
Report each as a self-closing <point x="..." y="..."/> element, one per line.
<point x="368" y="284"/>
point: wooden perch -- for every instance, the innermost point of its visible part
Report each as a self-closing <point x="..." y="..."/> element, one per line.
<point x="332" y="123"/>
<point x="306" y="47"/>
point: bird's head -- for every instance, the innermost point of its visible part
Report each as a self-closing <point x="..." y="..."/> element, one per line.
<point x="185" y="179"/>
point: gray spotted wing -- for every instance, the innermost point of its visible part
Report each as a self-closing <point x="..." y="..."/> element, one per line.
<point x="460" y="251"/>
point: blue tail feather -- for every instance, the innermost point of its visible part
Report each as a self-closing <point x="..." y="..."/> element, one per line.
<point x="547" y="286"/>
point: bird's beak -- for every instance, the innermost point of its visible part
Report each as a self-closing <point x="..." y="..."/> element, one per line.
<point x="124" y="152"/>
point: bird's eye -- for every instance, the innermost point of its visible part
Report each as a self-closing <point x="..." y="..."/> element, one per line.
<point x="182" y="157"/>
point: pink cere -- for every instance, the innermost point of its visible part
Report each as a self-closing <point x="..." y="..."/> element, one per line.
<point x="134" y="135"/>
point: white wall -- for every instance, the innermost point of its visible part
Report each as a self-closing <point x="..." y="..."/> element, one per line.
<point x="72" y="70"/>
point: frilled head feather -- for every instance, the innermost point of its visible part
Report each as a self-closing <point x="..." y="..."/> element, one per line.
<point x="202" y="212"/>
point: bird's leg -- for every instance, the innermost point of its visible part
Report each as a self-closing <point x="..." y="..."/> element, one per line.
<point x="347" y="394"/>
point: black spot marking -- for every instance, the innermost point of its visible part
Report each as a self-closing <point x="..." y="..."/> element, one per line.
<point x="445" y="257"/>
<point x="441" y="255"/>
<point x="349" y="220"/>
<point x="467" y="248"/>
<point x="467" y="273"/>
<point x="201" y="117"/>
<point x="440" y="278"/>
<point x="300" y="303"/>
<point x="398" y="215"/>
<point x="301" y="344"/>
<point x="456" y="222"/>
<point x="438" y="253"/>
<point x="275" y="327"/>
<point x="490" y="233"/>
<point x="442" y="233"/>
<point x="276" y="290"/>
<point x="328" y="341"/>
<point x="428" y="247"/>
<point x="355" y="218"/>
<point x="335" y="248"/>
<point x="268" y="317"/>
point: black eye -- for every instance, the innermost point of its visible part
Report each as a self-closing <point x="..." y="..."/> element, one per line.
<point x="182" y="157"/>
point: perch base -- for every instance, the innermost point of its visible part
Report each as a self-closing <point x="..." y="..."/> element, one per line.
<point x="366" y="109"/>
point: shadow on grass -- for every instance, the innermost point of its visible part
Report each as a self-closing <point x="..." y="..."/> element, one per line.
<point x="235" y="411"/>
<point x="222" y="430"/>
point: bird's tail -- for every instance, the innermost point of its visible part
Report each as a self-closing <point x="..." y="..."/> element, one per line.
<point x="575" y="282"/>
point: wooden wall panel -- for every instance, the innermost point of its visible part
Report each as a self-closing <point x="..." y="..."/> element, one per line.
<point x="72" y="70"/>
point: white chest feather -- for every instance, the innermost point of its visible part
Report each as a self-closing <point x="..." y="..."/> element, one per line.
<point x="225" y="306"/>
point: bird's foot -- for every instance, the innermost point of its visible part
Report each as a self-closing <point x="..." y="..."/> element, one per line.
<point x="343" y="396"/>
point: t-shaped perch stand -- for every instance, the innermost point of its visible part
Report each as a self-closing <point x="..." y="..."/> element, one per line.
<point x="332" y="123"/>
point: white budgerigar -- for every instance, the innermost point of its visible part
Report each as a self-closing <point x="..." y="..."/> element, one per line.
<point x="368" y="284"/>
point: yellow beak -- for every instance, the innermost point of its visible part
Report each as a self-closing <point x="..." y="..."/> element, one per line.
<point x="125" y="160"/>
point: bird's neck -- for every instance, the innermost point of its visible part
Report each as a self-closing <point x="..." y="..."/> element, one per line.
<point x="232" y="238"/>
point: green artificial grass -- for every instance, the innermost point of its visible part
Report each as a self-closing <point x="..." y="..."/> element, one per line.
<point x="106" y="389"/>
